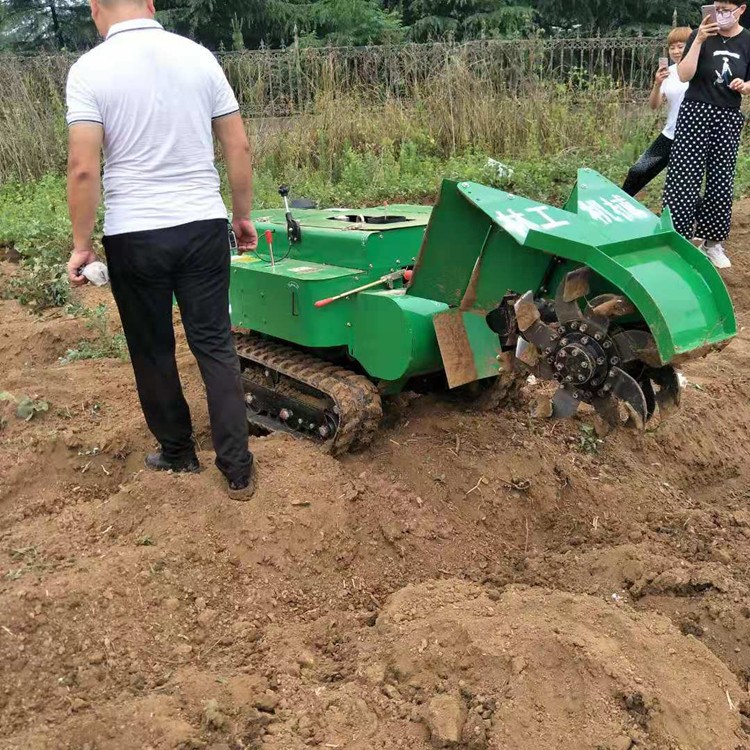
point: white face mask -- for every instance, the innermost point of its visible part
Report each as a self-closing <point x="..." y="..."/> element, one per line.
<point x="725" y="19"/>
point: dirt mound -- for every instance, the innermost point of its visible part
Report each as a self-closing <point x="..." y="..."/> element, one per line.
<point x="537" y="668"/>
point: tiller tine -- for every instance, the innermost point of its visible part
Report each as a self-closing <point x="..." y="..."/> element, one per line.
<point x="648" y="392"/>
<point x="530" y="323"/>
<point x="636" y="345"/>
<point x="670" y="392"/>
<point x="574" y="286"/>
<point x="626" y="389"/>
<point x="610" y="306"/>
<point x="608" y="410"/>
<point x="564" y="404"/>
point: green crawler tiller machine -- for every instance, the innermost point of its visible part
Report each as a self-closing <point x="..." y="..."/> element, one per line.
<point x="341" y="307"/>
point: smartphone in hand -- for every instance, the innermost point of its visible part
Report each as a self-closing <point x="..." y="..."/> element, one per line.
<point x="663" y="63"/>
<point x="709" y="10"/>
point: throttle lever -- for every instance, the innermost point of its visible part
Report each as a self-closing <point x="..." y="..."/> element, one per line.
<point x="293" y="229"/>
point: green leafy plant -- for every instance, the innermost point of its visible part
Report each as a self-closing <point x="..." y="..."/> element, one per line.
<point x="588" y="441"/>
<point x="27" y="407"/>
<point x="104" y="345"/>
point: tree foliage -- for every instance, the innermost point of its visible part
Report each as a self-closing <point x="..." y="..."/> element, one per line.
<point x="32" y="25"/>
<point x="431" y="20"/>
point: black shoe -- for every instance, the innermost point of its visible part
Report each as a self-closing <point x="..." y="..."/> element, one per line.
<point x="243" y="489"/>
<point x="157" y="462"/>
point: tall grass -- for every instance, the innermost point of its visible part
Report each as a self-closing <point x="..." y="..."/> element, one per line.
<point x="467" y="101"/>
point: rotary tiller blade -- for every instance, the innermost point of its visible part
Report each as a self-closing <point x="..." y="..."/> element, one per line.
<point x="574" y="286"/>
<point x="611" y="306"/>
<point x="669" y="394"/>
<point x="635" y="345"/>
<point x="626" y="389"/>
<point x="564" y="404"/>
<point x="530" y="323"/>
<point x="600" y="310"/>
<point x="607" y="409"/>
<point x="529" y="355"/>
<point x="649" y="395"/>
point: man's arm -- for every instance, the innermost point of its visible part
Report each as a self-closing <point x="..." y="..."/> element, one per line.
<point x="84" y="189"/>
<point x="230" y="132"/>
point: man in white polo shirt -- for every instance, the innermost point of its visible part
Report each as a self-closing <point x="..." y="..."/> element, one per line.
<point x="151" y="100"/>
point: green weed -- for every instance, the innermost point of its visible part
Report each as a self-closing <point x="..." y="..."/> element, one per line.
<point x="104" y="345"/>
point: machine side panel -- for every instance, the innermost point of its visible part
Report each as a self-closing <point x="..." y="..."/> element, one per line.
<point x="394" y="336"/>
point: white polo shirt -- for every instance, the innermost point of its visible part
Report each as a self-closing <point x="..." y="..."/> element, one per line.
<point x="156" y="94"/>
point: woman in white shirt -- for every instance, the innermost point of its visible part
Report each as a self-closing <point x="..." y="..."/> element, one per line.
<point x="667" y="87"/>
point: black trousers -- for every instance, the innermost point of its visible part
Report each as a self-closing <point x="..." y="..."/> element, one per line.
<point x="652" y="162"/>
<point x="706" y="142"/>
<point x="191" y="262"/>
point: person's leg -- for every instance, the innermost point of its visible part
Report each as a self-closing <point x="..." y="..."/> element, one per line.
<point x="651" y="163"/>
<point x="202" y="291"/>
<point x="141" y="277"/>
<point x="715" y="216"/>
<point x="687" y="164"/>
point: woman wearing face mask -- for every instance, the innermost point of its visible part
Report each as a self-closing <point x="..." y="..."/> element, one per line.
<point x="716" y="62"/>
<point x="667" y="87"/>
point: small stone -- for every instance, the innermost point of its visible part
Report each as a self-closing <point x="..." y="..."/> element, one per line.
<point x="305" y="659"/>
<point x="183" y="649"/>
<point x="392" y="692"/>
<point x="97" y="657"/>
<point x="636" y="536"/>
<point x="200" y="604"/>
<point x="723" y="556"/>
<point x="445" y="717"/>
<point x="78" y="704"/>
<point x="172" y="604"/>
<point x="621" y="743"/>
<point x="205" y="617"/>
<point x="541" y="407"/>
<point x="494" y="594"/>
<point x="267" y="702"/>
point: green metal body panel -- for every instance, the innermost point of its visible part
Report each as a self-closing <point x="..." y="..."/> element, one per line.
<point x="391" y="337"/>
<point x="394" y="334"/>
<point x="511" y="240"/>
<point x="474" y="247"/>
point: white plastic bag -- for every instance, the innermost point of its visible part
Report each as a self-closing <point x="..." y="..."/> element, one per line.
<point x="96" y="273"/>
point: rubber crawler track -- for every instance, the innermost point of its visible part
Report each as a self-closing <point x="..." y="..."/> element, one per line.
<point x="355" y="396"/>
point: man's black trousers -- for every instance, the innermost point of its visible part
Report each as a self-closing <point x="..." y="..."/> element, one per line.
<point x="191" y="262"/>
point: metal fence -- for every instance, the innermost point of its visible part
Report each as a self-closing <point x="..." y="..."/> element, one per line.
<point x="283" y="82"/>
<point x="274" y="83"/>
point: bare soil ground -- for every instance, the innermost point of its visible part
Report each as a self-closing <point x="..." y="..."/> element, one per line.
<point x="473" y="580"/>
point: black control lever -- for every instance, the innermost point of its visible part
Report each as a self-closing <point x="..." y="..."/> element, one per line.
<point x="293" y="229"/>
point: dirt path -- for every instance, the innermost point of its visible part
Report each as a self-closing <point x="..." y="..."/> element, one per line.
<point x="478" y="581"/>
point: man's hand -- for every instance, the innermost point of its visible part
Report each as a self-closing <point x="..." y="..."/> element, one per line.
<point x="247" y="237"/>
<point x="740" y="86"/>
<point x="707" y="28"/>
<point x="78" y="258"/>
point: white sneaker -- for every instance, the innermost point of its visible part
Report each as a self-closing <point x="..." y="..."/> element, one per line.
<point x="716" y="254"/>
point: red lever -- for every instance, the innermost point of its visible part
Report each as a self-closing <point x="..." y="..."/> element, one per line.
<point x="269" y="237"/>
<point x="408" y="273"/>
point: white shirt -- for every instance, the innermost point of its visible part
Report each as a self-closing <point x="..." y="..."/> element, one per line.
<point x="156" y="94"/>
<point x="674" y="90"/>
